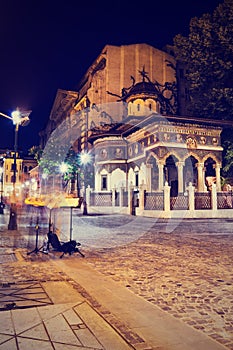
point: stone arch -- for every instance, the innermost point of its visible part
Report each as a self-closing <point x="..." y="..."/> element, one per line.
<point x="173" y="154"/>
<point x="195" y="155"/>
<point x="210" y="171"/>
<point x="210" y="155"/>
<point x="190" y="170"/>
<point x="152" y="154"/>
<point x="118" y="178"/>
<point x="153" y="171"/>
<point x="209" y="165"/>
<point x="171" y="174"/>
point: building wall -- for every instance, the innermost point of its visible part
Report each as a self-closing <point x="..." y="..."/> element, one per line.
<point x="122" y="62"/>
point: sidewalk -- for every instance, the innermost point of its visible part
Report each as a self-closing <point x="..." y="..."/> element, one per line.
<point x="89" y="311"/>
<point x="51" y="303"/>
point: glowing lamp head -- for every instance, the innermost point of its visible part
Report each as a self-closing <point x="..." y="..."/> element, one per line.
<point x="85" y="158"/>
<point x="16" y="117"/>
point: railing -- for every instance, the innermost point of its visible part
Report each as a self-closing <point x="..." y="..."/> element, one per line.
<point x="153" y="201"/>
<point x="101" y="199"/>
<point x="180" y="202"/>
<point x="225" y="200"/>
<point x="202" y="200"/>
<point x="162" y="201"/>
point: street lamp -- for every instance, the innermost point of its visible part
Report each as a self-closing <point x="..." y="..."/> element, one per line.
<point x="18" y="118"/>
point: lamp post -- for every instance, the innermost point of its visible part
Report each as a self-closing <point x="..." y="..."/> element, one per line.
<point x="2" y="205"/>
<point x="18" y="118"/>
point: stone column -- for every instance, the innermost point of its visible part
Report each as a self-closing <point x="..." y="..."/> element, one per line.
<point x="148" y="176"/>
<point x="191" y="196"/>
<point x="214" y="197"/>
<point x="142" y="189"/>
<point x="121" y="200"/>
<point x="113" y="196"/>
<point x="130" y="199"/>
<point x="166" y="190"/>
<point x="180" y="166"/>
<point x="200" y="177"/>
<point x="217" y="167"/>
<point x="160" y="166"/>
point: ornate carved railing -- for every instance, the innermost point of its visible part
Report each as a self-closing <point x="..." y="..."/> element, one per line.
<point x="179" y="203"/>
<point x="101" y="199"/>
<point x="153" y="201"/>
<point x="202" y="200"/>
<point x="225" y="200"/>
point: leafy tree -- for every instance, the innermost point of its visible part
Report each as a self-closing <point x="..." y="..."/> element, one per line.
<point x="73" y="169"/>
<point x="207" y="53"/>
<point x="36" y="152"/>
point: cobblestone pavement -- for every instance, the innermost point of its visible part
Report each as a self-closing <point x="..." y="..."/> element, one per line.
<point x="186" y="271"/>
<point x="187" y="274"/>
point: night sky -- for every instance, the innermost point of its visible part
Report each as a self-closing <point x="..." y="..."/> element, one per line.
<point x="49" y="45"/>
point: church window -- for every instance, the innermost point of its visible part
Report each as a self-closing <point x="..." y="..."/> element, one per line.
<point x="104" y="182"/>
<point x="138" y="107"/>
<point x="137" y="179"/>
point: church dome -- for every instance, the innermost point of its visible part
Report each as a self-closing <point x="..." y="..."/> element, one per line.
<point x="144" y="89"/>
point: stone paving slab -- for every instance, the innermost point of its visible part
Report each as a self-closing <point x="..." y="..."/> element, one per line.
<point x="61" y="326"/>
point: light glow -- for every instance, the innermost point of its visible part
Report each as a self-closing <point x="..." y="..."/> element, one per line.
<point x="63" y="168"/>
<point x="85" y="158"/>
<point x="16" y="117"/>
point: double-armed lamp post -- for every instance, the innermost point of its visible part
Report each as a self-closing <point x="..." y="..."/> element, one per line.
<point x="18" y="118"/>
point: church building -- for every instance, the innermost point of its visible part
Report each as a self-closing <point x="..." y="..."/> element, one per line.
<point x="128" y="111"/>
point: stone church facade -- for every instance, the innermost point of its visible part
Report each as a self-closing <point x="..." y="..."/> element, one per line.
<point x="127" y="113"/>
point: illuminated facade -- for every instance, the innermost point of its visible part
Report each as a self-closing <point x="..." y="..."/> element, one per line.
<point x="23" y="167"/>
<point x="128" y="109"/>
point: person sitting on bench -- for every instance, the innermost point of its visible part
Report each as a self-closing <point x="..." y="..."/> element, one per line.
<point x="69" y="247"/>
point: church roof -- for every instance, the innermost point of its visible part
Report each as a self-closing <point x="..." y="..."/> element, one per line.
<point x="143" y="87"/>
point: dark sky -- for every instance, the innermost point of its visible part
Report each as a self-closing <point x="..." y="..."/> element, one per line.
<point x="48" y="45"/>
